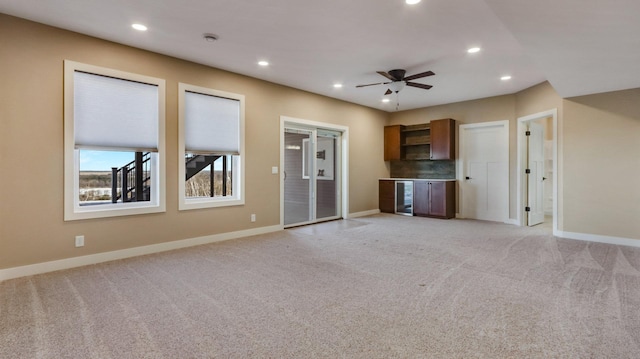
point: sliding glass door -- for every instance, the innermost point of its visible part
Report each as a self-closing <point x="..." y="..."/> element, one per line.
<point x="312" y="178"/>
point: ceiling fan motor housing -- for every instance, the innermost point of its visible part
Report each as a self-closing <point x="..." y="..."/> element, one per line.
<point x="397" y="74"/>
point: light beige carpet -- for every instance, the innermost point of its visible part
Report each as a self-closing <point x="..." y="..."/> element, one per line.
<point x="384" y="286"/>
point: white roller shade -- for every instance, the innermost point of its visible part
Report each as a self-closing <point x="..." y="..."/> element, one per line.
<point x="114" y="113"/>
<point x="211" y="124"/>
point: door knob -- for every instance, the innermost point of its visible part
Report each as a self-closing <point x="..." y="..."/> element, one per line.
<point x="467" y="178"/>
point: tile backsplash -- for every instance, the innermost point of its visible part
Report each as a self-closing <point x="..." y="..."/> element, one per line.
<point x="423" y="169"/>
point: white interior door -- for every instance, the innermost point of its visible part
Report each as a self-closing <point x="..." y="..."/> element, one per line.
<point x="485" y="170"/>
<point x="535" y="177"/>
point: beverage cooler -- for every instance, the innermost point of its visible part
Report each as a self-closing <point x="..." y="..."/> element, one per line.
<point x="404" y="197"/>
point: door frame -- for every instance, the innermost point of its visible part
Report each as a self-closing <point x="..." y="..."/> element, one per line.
<point x="344" y="159"/>
<point x="521" y="163"/>
<point x="461" y="163"/>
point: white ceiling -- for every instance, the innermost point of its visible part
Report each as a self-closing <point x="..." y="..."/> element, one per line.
<point x="579" y="46"/>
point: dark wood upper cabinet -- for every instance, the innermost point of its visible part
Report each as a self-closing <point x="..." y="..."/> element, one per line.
<point x="443" y="139"/>
<point x="429" y="141"/>
<point x="392" y="142"/>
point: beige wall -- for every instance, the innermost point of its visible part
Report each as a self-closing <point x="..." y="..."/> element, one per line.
<point x="602" y="164"/>
<point x="32" y="229"/>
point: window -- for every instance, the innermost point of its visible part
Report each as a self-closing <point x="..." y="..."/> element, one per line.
<point x="211" y="145"/>
<point x="114" y="142"/>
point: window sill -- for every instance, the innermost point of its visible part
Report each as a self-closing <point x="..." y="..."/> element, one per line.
<point x="112" y="210"/>
<point x="200" y="203"/>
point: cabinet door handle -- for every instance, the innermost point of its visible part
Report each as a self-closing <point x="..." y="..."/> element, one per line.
<point x="467" y="178"/>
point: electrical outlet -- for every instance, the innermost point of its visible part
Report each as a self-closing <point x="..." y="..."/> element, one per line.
<point x="274" y="170"/>
<point x="79" y="241"/>
<point x="253" y="217"/>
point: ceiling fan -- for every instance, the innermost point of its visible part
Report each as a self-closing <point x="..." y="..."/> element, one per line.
<point x="398" y="80"/>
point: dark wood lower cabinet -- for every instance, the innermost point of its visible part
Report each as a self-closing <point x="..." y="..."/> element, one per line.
<point x="387" y="196"/>
<point x="420" y="198"/>
<point x="434" y="199"/>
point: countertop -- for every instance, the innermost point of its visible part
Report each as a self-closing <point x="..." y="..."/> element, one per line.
<point x="419" y="179"/>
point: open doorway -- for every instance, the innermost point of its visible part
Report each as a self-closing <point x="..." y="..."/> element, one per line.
<point x="537" y="170"/>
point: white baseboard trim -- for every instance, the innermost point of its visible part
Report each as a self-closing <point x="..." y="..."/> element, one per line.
<point x="363" y="214"/>
<point x="512" y="221"/>
<point x="599" y="239"/>
<point x="39" y="268"/>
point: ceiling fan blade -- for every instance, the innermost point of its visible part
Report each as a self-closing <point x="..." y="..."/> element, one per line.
<point x="421" y="86"/>
<point x="386" y="75"/>
<point x="418" y="76"/>
<point x="389" y="92"/>
<point x="379" y="83"/>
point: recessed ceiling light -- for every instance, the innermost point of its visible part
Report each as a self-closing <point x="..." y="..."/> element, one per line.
<point x="385" y="100"/>
<point x="139" y="27"/>
<point x="412" y="2"/>
<point x="473" y="50"/>
<point x="505" y="78"/>
<point x="263" y="63"/>
<point x="337" y="86"/>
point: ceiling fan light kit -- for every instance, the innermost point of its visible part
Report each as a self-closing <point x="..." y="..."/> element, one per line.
<point x="397" y="86"/>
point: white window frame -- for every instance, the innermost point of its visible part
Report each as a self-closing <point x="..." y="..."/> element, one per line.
<point x="238" y="181"/>
<point x="72" y="208"/>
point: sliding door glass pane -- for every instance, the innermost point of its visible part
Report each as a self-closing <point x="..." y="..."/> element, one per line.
<point x="327" y="176"/>
<point x="297" y="183"/>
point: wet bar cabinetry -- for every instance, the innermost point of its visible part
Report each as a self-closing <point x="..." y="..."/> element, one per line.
<point x="430" y="141"/>
<point x="431" y="198"/>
